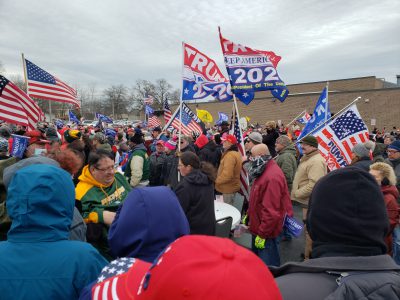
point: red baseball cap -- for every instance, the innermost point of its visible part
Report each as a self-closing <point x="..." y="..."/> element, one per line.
<point x="230" y="138"/>
<point x="160" y="142"/>
<point x="195" y="267"/>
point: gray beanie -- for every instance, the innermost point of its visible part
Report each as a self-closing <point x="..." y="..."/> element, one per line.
<point x="360" y="150"/>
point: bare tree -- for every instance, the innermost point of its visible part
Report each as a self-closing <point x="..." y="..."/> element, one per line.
<point x="161" y="90"/>
<point x="116" y="99"/>
<point x="18" y="81"/>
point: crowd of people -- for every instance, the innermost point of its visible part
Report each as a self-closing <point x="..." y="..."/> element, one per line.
<point x="128" y="213"/>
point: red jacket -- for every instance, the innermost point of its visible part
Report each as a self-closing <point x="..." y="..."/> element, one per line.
<point x="390" y="194"/>
<point x="269" y="202"/>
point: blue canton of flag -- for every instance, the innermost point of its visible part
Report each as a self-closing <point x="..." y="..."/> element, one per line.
<point x="73" y="118"/>
<point x="321" y="113"/>
<point x="222" y="117"/>
<point x="104" y="118"/>
<point x="347" y="124"/>
<point x="116" y="267"/>
<point x="149" y="110"/>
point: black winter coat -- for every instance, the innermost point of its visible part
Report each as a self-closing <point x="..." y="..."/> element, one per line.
<point x="210" y="153"/>
<point x="196" y="195"/>
<point x="269" y="139"/>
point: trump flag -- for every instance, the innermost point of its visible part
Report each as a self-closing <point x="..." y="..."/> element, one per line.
<point x="252" y="70"/>
<point x="337" y="138"/>
<point x="202" y="77"/>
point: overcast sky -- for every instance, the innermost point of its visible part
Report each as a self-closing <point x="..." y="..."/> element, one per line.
<point x="112" y="42"/>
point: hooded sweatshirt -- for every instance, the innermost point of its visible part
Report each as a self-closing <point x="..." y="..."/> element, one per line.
<point x="38" y="261"/>
<point x="149" y="219"/>
<point x="196" y="195"/>
<point x="96" y="197"/>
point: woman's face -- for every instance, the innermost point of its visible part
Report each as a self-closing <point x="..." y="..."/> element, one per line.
<point x="378" y="176"/>
<point x="184" y="170"/>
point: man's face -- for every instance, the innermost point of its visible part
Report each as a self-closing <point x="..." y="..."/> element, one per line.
<point x="248" y="145"/>
<point x="226" y="145"/>
<point x="103" y="171"/>
<point x="160" y="148"/>
<point x="278" y="147"/>
<point x="393" y="154"/>
<point x="184" y="143"/>
<point x="307" y="148"/>
<point x="154" y="134"/>
<point x="387" y="141"/>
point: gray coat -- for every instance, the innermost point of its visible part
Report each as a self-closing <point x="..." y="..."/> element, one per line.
<point x="367" y="277"/>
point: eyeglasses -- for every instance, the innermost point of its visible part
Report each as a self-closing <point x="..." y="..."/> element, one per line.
<point x="110" y="168"/>
<point x="392" y="151"/>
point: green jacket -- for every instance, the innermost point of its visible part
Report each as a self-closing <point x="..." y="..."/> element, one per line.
<point x="286" y="160"/>
<point x="138" y="167"/>
<point x="96" y="197"/>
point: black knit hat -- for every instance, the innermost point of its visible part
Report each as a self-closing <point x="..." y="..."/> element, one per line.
<point x="137" y="138"/>
<point x="347" y="215"/>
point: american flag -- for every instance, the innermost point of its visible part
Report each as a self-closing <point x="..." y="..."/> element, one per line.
<point x="106" y="287"/>
<point x="237" y="132"/>
<point x="16" y="107"/>
<point x="190" y="121"/>
<point x="153" y="122"/>
<point x="43" y="85"/>
<point x="148" y="100"/>
<point x="304" y="119"/>
<point x="337" y="138"/>
<point x="167" y="112"/>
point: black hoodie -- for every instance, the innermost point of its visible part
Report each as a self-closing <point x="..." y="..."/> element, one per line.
<point x="196" y="195"/>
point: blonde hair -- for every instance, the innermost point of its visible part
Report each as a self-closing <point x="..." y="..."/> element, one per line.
<point x="385" y="170"/>
<point x="271" y="124"/>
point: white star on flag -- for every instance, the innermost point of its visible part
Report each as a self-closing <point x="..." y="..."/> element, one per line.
<point x="186" y="91"/>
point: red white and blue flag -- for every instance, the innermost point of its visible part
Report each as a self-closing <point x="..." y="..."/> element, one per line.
<point x="237" y="132"/>
<point x="304" y="119"/>
<point x="202" y="77"/>
<point x="148" y="100"/>
<point x="16" y="107"/>
<point x="190" y="121"/>
<point x="43" y="85"/>
<point x="153" y="121"/>
<point x="251" y="71"/>
<point x="338" y="137"/>
<point x="167" y="112"/>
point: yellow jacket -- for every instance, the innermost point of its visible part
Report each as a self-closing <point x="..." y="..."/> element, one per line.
<point x="228" y="177"/>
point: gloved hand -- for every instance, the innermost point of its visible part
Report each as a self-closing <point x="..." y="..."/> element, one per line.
<point x="259" y="242"/>
<point x="245" y="219"/>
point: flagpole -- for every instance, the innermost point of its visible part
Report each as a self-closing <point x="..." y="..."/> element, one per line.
<point x="180" y="107"/>
<point x="326" y="102"/>
<point x="25" y="74"/>
<point x="336" y="115"/>
<point x="295" y="118"/>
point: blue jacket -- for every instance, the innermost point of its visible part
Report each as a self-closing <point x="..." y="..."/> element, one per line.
<point x="149" y="219"/>
<point x="37" y="260"/>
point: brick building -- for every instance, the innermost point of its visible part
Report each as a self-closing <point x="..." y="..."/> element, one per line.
<point x="380" y="100"/>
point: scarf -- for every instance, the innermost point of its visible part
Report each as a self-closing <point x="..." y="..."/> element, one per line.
<point x="257" y="166"/>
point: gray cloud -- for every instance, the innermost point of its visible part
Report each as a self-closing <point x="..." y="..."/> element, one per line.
<point x="111" y="42"/>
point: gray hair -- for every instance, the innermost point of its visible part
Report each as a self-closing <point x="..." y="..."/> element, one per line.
<point x="284" y="140"/>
